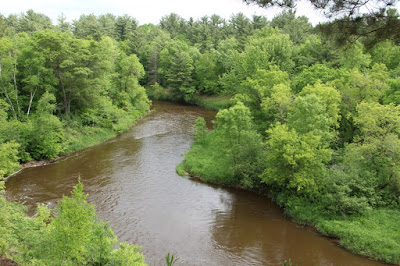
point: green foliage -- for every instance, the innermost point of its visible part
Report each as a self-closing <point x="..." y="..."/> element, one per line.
<point x="8" y="158"/>
<point x="315" y="124"/>
<point x="387" y="53"/>
<point x="375" y="234"/>
<point x="76" y="234"/>
<point x="72" y="235"/>
<point x="313" y="74"/>
<point x="232" y="154"/>
<point x="170" y="259"/>
<point x="349" y="191"/>
<point x="207" y="73"/>
<point x="392" y="94"/>
<point x="279" y="104"/>
<point x="157" y="92"/>
<point x="354" y="57"/>
<point x="267" y="48"/>
<point x="205" y="160"/>
<point x="295" y="161"/>
<point x="241" y="142"/>
<point x="378" y="143"/>
<point x="200" y="129"/>
<point x="298" y="28"/>
<point x="47" y="141"/>
<point x="52" y="72"/>
<point x="176" y="69"/>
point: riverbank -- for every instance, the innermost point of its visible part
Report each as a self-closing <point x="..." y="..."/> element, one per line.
<point x="211" y="102"/>
<point x="82" y="137"/>
<point x="374" y="233"/>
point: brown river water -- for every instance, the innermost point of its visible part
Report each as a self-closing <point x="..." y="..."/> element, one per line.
<point x="132" y="181"/>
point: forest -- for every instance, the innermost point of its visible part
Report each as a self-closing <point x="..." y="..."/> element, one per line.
<point x="310" y="122"/>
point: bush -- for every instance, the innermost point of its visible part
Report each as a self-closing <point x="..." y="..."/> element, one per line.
<point x="8" y="158"/>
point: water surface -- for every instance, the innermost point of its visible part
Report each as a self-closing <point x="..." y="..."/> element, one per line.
<point x="132" y="181"/>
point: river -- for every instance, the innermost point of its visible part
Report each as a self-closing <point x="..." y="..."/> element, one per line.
<point x="132" y="181"/>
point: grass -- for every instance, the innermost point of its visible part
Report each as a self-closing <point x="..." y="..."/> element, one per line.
<point x="212" y="102"/>
<point x="215" y="102"/>
<point x="79" y="137"/>
<point x="88" y="136"/>
<point x="204" y="161"/>
<point x="375" y="233"/>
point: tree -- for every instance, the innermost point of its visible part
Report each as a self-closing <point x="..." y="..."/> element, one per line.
<point x="87" y="26"/>
<point x="298" y="28"/>
<point x="258" y="89"/>
<point x="378" y="144"/>
<point x="331" y="7"/>
<point x="176" y="69"/>
<point x="124" y="27"/>
<point x="354" y="88"/>
<point x="130" y="96"/>
<point x="32" y="21"/>
<point x="147" y="41"/>
<point x="8" y="158"/>
<point x="47" y="141"/>
<point x="354" y="57"/>
<point x="201" y="35"/>
<point x="295" y="161"/>
<point x="318" y="50"/>
<point x="240" y="27"/>
<point x="386" y="53"/>
<point x="369" y="28"/>
<point x="62" y="24"/>
<point x="207" y="73"/>
<point x="76" y="235"/>
<point x="241" y="143"/>
<point x="316" y="110"/>
<point x="8" y="75"/>
<point x="358" y="18"/>
<point x="173" y="24"/>
<point x="37" y="77"/>
<point x="266" y="48"/>
<point x="5" y="28"/>
<point x="313" y="74"/>
<point x="278" y="104"/>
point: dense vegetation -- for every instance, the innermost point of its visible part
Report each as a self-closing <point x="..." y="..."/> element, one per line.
<point x="71" y="234"/>
<point x="315" y="125"/>
<point x="58" y="93"/>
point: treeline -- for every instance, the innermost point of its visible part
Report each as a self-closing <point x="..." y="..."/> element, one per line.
<point x="313" y="124"/>
<point x="59" y="92"/>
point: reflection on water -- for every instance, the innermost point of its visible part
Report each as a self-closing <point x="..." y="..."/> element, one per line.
<point x="132" y="181"/>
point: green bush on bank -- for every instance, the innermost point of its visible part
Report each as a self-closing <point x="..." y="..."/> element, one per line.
<point x="69" y="235"/>
<point x="350" y="202"/>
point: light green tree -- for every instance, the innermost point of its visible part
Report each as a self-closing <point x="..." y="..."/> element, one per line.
<point x="295" y="161"/>
<point x="241" y="143"/>
<point x="48" y="132"/>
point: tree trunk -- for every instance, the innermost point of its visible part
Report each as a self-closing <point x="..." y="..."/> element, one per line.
<point x="15" y="84"/>
<point x="8" y="98"/>
<point x="30" y="102"/>
<point x="10" y="102"/>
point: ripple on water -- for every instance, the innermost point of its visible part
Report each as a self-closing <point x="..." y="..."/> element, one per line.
<point x="132" y="181"/>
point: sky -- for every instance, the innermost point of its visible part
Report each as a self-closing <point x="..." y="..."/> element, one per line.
<point x="147" y="11"/>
